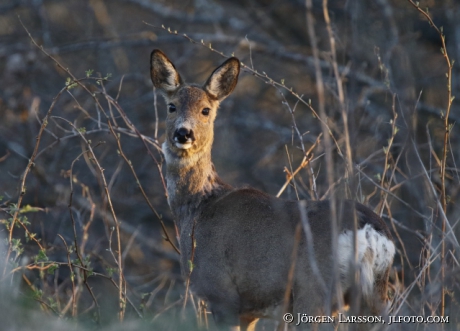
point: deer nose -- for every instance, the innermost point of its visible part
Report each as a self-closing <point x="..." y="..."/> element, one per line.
<point x="184" y="135"/>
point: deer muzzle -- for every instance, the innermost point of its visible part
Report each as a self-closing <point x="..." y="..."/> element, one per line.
<point x="184" y="138"/>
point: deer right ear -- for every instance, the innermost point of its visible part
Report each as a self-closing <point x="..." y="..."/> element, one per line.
<point x="163" y="72"/>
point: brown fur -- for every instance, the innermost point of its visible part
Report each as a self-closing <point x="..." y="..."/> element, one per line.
<point x="242" y="239"/>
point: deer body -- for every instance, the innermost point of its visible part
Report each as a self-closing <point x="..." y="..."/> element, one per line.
<point x="236" y="244"/>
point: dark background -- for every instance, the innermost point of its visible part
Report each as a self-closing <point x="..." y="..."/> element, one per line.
<point x="386" y="51"/>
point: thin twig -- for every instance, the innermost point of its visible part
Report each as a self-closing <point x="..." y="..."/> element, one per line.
<point x="328" y="137"/>
<point x="262" y="76"/>
<point x="386" y="165"/>
<point x="115" y="219"/>
<point x="77" y="248"/>
<point x="69" y="262"/>
<point x="447" y="129"/>
<point x="120" y="149"/>
<point x="306" y="160"/>
<point x="22" y="187"/>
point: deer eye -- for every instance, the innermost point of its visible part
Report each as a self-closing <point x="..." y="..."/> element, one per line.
<point x="171" y="108"/>
<point x="205" y="111"/>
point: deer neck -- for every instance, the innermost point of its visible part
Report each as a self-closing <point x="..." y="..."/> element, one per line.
<point x="192" y="181"/>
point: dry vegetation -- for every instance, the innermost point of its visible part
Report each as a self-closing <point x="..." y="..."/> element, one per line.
<point x="88" y="238"/>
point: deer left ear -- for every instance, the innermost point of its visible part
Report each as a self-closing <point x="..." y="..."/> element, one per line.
<point x="223" y="80"/>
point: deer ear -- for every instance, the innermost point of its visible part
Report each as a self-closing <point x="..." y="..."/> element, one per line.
<point x="223" y="80"/>
<point x="163" y="72"/>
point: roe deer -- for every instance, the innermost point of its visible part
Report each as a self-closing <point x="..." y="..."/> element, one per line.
<point x="236" y="243"/>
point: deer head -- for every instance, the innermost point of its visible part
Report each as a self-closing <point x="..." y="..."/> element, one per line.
<point x="192" y="108"/>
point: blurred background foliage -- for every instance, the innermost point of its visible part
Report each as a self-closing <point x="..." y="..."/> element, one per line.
<point x="389" y="59"/>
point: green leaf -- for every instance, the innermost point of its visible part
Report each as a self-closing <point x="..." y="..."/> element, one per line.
<point x="190" y="265"/>
<point x="52" y="269"/>
<point x="41" y="256"/>
<point x="30" y="209"/>
<point x="16" y="246"/>
<point x="52" y="303"/>
<point x="111" y="271"/>
<point x="30" y="236"/>
<point x="38" y="294"/>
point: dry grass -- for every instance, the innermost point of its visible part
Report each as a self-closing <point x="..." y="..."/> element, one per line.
<point x="89" y="240"/>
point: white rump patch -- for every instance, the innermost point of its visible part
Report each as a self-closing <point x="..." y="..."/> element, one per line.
<point x="375" y="255"/>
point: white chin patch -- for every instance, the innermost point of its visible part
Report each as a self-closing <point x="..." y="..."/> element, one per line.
<point x="183" y="146"/>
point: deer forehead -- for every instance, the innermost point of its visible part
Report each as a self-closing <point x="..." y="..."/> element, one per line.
<point x="191" y="98"/>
